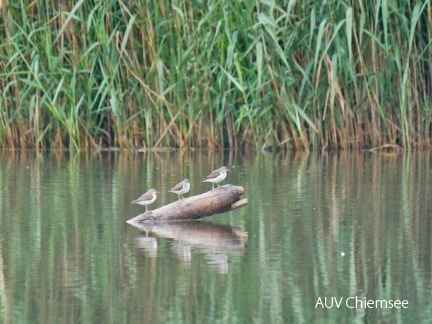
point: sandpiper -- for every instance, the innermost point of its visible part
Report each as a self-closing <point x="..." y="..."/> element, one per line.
<point x="181" y="188"/>
<point x="217" y="176"/>
<point x="146" y="199"/>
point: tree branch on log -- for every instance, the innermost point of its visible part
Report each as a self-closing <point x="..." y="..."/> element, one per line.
<point x="219" y="200"/>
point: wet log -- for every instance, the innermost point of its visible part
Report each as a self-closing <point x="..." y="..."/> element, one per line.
<point x="219" y="200"/>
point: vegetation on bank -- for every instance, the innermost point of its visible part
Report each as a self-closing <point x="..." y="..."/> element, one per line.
<point x="264" y="74"/>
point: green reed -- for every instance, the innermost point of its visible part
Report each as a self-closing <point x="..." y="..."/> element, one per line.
<point x="271" y="74"/>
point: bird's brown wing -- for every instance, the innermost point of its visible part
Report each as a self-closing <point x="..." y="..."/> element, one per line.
<point x="147" y="196"/>
<point x="178" y="186"/>
<point x="212" y="175"/>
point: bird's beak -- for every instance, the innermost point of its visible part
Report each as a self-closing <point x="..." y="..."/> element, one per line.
<point x="228" y="170"/>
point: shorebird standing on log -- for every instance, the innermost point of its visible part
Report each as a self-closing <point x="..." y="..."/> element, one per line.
<point x="146" y="199"/>
<point x="181" y="188"/>
<point x="217" y="176"/>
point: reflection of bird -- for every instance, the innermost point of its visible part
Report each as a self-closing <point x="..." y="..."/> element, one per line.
<point x="217" y="176"/>
<point x="146" y="199"/>
<point x="218" y="261"/>
<point x="148" y="244"/>
<point x="181" y="188"/>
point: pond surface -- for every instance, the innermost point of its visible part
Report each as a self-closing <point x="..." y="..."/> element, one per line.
<point x="317" y="226"/>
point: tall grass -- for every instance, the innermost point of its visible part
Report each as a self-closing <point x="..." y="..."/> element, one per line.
<point x="269" y="74"/>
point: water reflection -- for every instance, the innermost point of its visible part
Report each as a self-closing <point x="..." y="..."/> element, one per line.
<point x="148" y="245"/>
<point x="68" y="255"/>
<point x="217" y="242"/>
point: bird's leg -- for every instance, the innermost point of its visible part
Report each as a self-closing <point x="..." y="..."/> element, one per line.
<point x="146" y="209"/>
<point x="178" y="196"/>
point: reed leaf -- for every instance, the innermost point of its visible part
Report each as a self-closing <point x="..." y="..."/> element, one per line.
<point x="217" y="74"/>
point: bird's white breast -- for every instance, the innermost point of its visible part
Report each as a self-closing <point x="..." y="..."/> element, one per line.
<point x="219" y="178"/>
<point x="184" y="189"/>
<point x="147" y="202"/>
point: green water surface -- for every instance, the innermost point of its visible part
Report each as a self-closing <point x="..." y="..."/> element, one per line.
<point x="317" y="226"/>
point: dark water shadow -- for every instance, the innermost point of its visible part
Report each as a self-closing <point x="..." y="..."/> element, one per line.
<point x="217" y="242"/>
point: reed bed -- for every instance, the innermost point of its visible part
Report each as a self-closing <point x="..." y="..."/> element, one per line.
<point x="213" y="74"/>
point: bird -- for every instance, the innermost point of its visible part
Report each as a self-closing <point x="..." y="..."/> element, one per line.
<point x="216" y="176"/>
<point x="146" y="199"/>
<point x="181" y="188"/>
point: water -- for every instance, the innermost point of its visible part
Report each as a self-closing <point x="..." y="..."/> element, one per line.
<point x="317" y="225"/>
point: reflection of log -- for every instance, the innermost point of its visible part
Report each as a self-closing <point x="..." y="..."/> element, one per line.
<point x="220" y="238"/>
<point x="220" y="200"/>
<point x="216" y="241"/>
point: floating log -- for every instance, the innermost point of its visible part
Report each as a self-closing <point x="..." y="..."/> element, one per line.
<point x="219" y="200"/>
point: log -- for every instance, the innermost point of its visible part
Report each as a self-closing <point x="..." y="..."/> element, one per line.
<point x="219" y="200"/>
